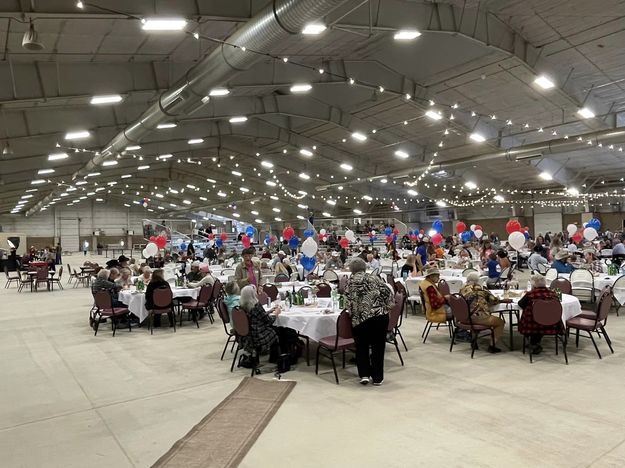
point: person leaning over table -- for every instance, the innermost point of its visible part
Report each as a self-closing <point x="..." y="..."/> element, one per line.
<point x="368" y="301"/>
<point x="205" y="278"/>
<point x="480" y="300"/>
<point x="157" y="281"/>
<point x="527" y="325"/>
<point x="561" y="262"/>
<point x="247" y="272"/>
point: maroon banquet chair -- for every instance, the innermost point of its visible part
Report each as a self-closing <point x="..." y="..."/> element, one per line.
<point x="394" y="319"/>
<point x="341" y="342"/>
<point x="196" y="306"/>
<point x="11" y="278"/>
<point x="163" y="304"/>
<point x="463" y="321"/>
<point x="42" y="277"/>
<point x="548" y="313"/>
<point x="596" y="325"/>
<point x="57" y="280"/>
<point x="271" y="290"/>
<point x="443" y="287"/>
<point x="104" y="309"/>
<point x="563" y="284"/>
<point x="222" y="310"/>
<point x="263" y="297"/>
<point x="324" y="290"/>
<point x="241" y="326"/>
<point x="281" y="278"/>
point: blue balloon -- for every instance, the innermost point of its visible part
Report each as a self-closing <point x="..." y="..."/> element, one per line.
<point x="249" y="231"/>
<point x="183" y="246"/>
<point x="294" y="242"/>
<point x="394" y="237"/>
<point x="437" y="225"/>
<point x="526" y="234"/>
<point x="388" y="231"/>
<point x="309" y="233"/>
<point x="466" y="236"/>
<point x="219" y="243"/>
<point x="308" y="262"/>
<point x="594" y="223"/>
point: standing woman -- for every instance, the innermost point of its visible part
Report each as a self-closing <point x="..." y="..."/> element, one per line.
<point x="368" y="301"/>
<point x="58" y="252"/>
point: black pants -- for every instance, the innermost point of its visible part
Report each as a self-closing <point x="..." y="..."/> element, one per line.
<point x="370" y="338"/>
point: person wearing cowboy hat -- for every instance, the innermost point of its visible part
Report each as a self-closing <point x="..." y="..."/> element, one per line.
<point x="334" y="262"/>
<point x="561" y="262"/>
<point x="591" y="262"/>
<point x="436" y="308"/>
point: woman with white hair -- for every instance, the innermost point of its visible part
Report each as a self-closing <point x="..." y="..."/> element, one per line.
<point x="480" y="300"/>
<point x="527" y="325"/>
<point x="125" y="278"/>
<point x="263" y="336"/>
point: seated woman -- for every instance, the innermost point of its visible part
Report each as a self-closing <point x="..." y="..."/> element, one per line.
<point x="157" y="281"/>
<point x="436" y="308"/>
<point x="263" y="337"/>
<point x="232" y="297"/>
<point x="194" y="274"/>
<point x="287" y="266"/>
<point x="205" y="278"/>
<point x="493" y="273"/>
<point x="464" y="259"/>
<point x="561" y="263"/>
<point x="125" y="278"/>
<point x="527" y="325"/>
<point x="504" y="261"/>
<point x="334" y="263"/>
<point x="480" y="300"/>
<point x="146" y="275"/>
<point x="410" y="267"/>
<point x="280" y="269"/>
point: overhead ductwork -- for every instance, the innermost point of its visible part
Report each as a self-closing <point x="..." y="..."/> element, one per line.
<point x="270" y="27"/>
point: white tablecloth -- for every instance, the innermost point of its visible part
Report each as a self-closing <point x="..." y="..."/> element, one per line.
<point x="602" y="281"/>
<point x="570" y="305"/>
<point x="310" y="321"/>
<point x="455" y="283"/>
<point x="136" y="300"/>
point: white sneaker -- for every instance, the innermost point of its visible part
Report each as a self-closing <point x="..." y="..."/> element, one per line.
<point x="364" y="380"/>
<point x="377" y="384"/>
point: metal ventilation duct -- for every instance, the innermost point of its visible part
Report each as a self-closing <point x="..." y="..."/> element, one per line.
<point x="271" y="26"/>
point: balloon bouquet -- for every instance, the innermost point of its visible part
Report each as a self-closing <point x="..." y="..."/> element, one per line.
<point x="517" y="235"/>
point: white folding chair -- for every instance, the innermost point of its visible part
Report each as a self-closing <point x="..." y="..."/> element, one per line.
<point x="583" y="284"/>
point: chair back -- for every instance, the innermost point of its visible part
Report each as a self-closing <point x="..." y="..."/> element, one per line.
<point x="551" y="274"/>
<point x="403" y="290"/>
<point x="604" y="305"/>
<point x="227" y="272"/>
<point x="263" y="297"/>
<point x="324" y="290"/>
<point x="222" y="310"/>
<point x="547" y="312"/>
<point x="460" y="309"/>
<point x="305" y="291"/>
<point x="240" y="322"/>
<point x="330" y="275"/>
<point x="562" y="284"/>
<point x="581" y="278"/>
<point x="103" y="299"/>
<point x="281" y="278"/>
<point x="542" y="268"/>
<point x="344" y="326"/>
<point x="390" y="279"/>
<point x="216" y="292"/>
<point x="42" y="273"/>
<point x="60" y="271"/>
<point x="162" y="298"/>
<point x="206" y="292"/>
<point x="6" y="271"/>
<point x="443" y="287"/>
<point x="271" y="290"/>
<point x="506" y="274"/>
<point x="466" y="271"/>
<point x="396" y="312"/>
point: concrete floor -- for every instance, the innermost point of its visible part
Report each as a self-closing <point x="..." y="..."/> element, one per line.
<point x="70" y="399"/>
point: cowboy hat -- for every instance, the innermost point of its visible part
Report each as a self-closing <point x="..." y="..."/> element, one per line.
<point x="562" y="254"/>
<point x="431" y="271"/>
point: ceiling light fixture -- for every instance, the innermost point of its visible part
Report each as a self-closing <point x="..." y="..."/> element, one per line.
<point x="477" y="137"/>
<point x="57" y="156"/>
<point x="359" y="136"/>
<point x="109" y="163"/>
<point x="326" y="214"/>
<point x="546" y="176"/>
<point x="434" y="115"/>
<point x="45" y="171"/>
<point x="402" y="154"/>
<point x="219" y="92"/>
<point x="236" y="173"/>
<point x="106" y="99"/>
<point x="304" y="176"/>
<point x="470" y="185"/>
<point x="271" y="183"/>
<point x="413" y="193"/>
<point x="163" y="24"/>
<point x="195" y="141"/>
<point x="301" y="88"/>
<point x="544" y="82"/>
<point x="133" y="148"/>
<point x="78" y="135"/>
<point x="143" y="168"/>
<point x="166" y="125"/>
<point x="406" y="34"/>
<point x="313" y="28"/>
<point x="346" y="167"/>
<point x="38" y="182"/>
<point x="238" y="119"/>
<point x="585" y="113"/>
<point x="267" y="164"/>
<point x="305" y="152"/>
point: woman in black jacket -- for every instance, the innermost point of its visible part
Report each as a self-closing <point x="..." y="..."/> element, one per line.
<point x="157" y="281"/>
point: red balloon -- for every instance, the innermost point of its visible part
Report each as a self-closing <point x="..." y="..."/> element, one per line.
<point x="344" y="242"/>
<point x="512" y="226"/>
<point x="161" y="242"/>
<point x="461" y="227"/>
<point x="395" y="231"/>
<point x="288" y="232"/>
<point x="223" y="236"/>
<point x="152" y="238"/>
<point x="437" y="238"/>
<point x="211" y="236"/>
<point x="246" y="241"/>
<point x="478" y="228"/>
<point x="389" y="239"/>
<point x="577" y="237"/>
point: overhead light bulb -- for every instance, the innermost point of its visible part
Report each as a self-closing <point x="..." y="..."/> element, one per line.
<point x="470" y="185"/>
<point x="80" y="5"/>
<point x="314" y="28"/>
<point x="406" y="34"/>
<point x="305" y="152"/>
<point x="413" y="193"/>
<point x="238" y="119"/>
<point x="544" y="82"/>
<point x="586" y="113"/>
<point x="346" y="167"/>
<point x="107" y="99"/>
<point x="434" y="115"/>
<point x="78" y="135"/>
<point x="301" y="88"/>
<point x="477" y="137"/>
<point x="304" y="176"/>
<point x="166" y="125"/>
<point x="441" y="203"/>
<point x="195" y="141"/>
<point x="359" y="136"/>
<point x="45" y="171"/>
<point x="546" y="176"/>
<point x="219" y="92"/>
<point x="164" y="24"/>
<point x="402" y="154"/>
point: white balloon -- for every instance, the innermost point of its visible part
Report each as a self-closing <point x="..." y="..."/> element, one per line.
<point x="585" y="224"/>
<point x="309" y="247"/>
<point x="572" y="248"/>
<point x="478" y="233"/>
<point x="571" y="229"/>
<point x="151" y="249"/>
<point x="350" y="235"/>
<point x="472" y="227"/>
<point x="211" y="242"/>
<point x="322" y="232"/>
<point x="516" y="240"/>
<point x="178" y="241"/>
<point x="145" y="254"/>
<point x="372" y="232"/>
<point x="590" y="233"/>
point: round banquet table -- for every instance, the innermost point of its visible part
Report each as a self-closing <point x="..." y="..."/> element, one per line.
<point x="455" y="283"/>
<point x="135" y="300"/>
<point x="313" y="321"/>
<point x="602" y="281"/>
